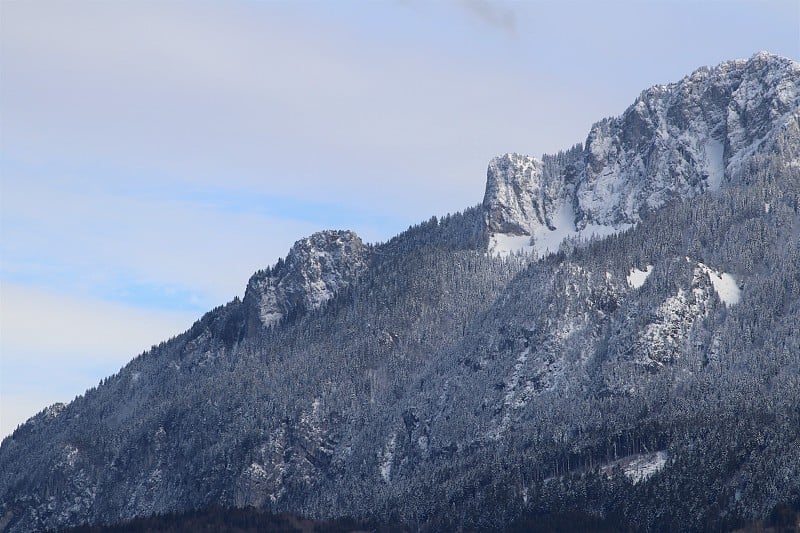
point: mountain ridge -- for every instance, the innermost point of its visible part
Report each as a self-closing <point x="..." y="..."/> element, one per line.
<point x="674" y="142"/>
<point x="428" y="382"/>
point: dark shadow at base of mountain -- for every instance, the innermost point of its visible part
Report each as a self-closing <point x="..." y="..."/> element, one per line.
<point x="784" y="518"/>
<point x="234" y="520"/>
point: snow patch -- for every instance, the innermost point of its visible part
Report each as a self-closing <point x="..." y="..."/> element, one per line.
<point x="387" y="457"/>
<point x="645" y="466"/>
<point x="503" y="244"/>
<point x="639" y="467"/>
<point x="545" y="241"/>
<point x="600" y="231"/>
<point x="636" y="277"/>
<point x="725" y="285"/>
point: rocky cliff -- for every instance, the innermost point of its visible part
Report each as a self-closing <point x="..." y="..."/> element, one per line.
<point x="675" y="142"/>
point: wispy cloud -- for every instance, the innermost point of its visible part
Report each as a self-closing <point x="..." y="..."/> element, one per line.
<point x="264" y="103"/>
<point x="494" y="13"/>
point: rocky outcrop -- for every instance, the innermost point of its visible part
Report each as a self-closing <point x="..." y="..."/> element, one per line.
<point x="514" y="194"/>
<point x="315" y="269"/>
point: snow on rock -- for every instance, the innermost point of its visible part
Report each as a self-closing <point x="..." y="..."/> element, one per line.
<point x="262" y="480"/>
<point x="386" y="457"/>
<point x="663" y="339"/>
<point x="541" y="241"/>
<point x="676" y="141"/>
<point x="527" y="205"/>
<point x="768" y="92"/>
<point x="315" y="269"/>
<point x="514" y="194"/>
<point x="269" y="308"/>
<point x="70" y="455"/>
<point x="511" y="399"/>
<point x="54" y="410"/>
<point x="636" y="277"/>
<point x="549" y="363"/>
<point x="681" y="139"/>
<point x="310" y="420"/>
<point x="714" y="163"/>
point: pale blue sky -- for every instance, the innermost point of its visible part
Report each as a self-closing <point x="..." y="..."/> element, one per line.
<point x="153" y="155"/>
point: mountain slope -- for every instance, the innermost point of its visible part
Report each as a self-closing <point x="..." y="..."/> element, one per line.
<point x="650" y="376"/>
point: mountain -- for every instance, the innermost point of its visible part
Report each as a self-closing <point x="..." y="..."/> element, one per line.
<point x="610" y="336"/>
<point x="674" y="142"/>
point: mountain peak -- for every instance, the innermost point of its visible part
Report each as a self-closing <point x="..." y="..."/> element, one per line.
<point x="768" y="57"/>
<point x="674" y="142"/>
<point x="315" y="269"/>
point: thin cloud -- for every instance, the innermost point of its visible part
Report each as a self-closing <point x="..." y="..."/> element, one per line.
<point x="244" y="109"/>
<point x="494" y="14"/>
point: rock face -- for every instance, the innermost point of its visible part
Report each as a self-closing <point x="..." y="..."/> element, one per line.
<point x="650" y="378"/>
<point x="674" y="142"/>
<point x="514" y="194"/>
<point x="315" y="269"/>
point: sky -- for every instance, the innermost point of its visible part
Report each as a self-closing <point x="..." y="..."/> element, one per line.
<point x="153" y="155"/>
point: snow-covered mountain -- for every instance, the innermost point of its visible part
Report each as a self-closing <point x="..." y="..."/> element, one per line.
<point x="646" y="378"/>
<point x="675" y="142"/>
